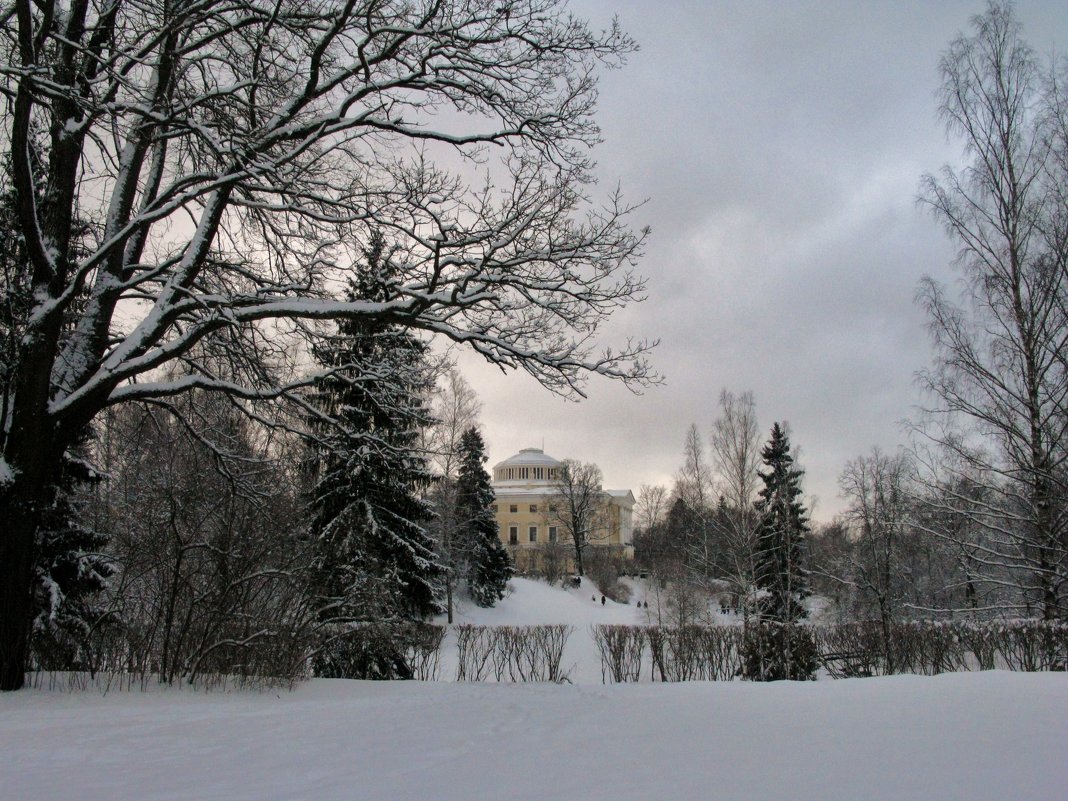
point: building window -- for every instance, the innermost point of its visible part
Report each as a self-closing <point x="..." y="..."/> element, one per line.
<point x="524" y="472"/>
<point x="533" y="508"/>
<point x="552" y="533"/>
<point x="513" y="535"/>
<point x="533" y="533"/>
<point x="513" y="508"/>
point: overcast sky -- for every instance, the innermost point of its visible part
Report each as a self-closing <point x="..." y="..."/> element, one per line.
<point x="780" y="147"/>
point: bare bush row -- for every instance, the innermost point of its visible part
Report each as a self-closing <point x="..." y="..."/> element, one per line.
<point x="125" y="658"/>
<point x="870" y="648"/>
<point x="718" y="653"/>
<point x="511" y="653"/>
<point x="686" y="653"/>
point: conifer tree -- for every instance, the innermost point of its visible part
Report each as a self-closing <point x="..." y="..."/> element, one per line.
<point x="488" y="565"/>
<point x="776" y="647"/>
<point x="375" y="560"/>
<point x="781" y="534"/>
<point x="70" y="570"/>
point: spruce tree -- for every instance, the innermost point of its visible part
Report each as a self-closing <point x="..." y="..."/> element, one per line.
<point x="781" y="534"/>
<point x="70" y="570"/>
<point x="375" y="561"/>
<point x="488" y="564"/>
<point x="776" y="647"/>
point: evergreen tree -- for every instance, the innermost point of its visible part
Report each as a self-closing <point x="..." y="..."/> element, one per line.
<point x="70" y="571"/>
<point x="781" y="534"/>
<point x="375" y="560"/>
<point x="776" y="647"/>
<point x="488" y="565"/>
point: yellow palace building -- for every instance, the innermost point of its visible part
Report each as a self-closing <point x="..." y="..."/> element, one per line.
<point x="526" y="485"/>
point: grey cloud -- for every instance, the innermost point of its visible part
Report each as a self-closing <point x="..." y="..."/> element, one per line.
<point x="780" y="146"/>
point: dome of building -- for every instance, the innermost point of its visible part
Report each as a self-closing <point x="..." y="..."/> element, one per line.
<point x="530" y="464"/>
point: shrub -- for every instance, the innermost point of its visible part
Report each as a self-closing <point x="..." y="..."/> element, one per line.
<point x="511" y="653"/>
<point x="621" y="649"/>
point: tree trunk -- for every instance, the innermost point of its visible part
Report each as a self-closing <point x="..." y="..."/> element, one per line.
<point x="19" y="505"/>
<point x="34" y="458"/>
<point x="578" y="558"/>
<point x="16" y="582"/>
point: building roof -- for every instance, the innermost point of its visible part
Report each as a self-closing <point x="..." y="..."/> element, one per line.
<point x="625" y="497"/>
<point x="503" y="490"/>
<point x="529" y="457"/>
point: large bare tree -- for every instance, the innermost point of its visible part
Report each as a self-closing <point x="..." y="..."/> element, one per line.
<point x="193" y="177"/>
<point x="578" y="506"/>
<point x="1000" y="383"/>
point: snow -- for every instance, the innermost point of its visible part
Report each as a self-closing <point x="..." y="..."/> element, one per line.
<point x="974" y="736"/>
<point x="993" y="736"/>
<point x="7" y="475"/>
<point x="533" y="603"/>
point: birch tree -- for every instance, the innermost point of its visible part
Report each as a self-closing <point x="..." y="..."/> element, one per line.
<point x="455" y="410"/>
<point x="227" y="161"/>
<point x="736" y="452"/>
<point x="1000" y="383"/>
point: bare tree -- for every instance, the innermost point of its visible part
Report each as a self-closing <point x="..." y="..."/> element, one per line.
<point x="651" y="507"/>
<point x="694" y="480"/>
<point x="694" y="487"/>
<point x="211" y="568"/>
<point x="577" y="507"/>
<point x="958" y="574"/>
<point x="455" y="409"/>
<point x="229" y="160"/>
<point x="736" y="448"/>
<point x="1000" y="382"/>
<point x="830" y="550"/>
<point x="877" y="489"/>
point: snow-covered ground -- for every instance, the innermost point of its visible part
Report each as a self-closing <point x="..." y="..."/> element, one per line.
<point x="972" y="736"/>
<point x="969" y="736"/>
<point x="530" y="603"/>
